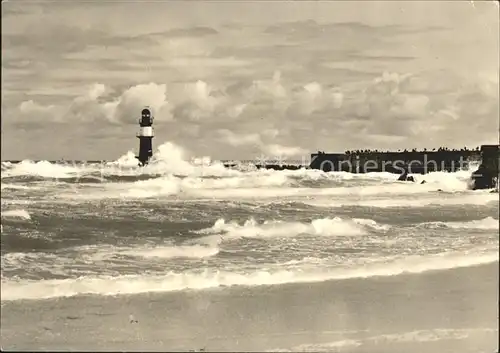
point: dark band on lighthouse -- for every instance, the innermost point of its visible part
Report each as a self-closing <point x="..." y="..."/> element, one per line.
<point x="145" y="137"/>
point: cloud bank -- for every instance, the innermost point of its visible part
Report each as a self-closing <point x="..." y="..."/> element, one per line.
<point x="275" y="87"/>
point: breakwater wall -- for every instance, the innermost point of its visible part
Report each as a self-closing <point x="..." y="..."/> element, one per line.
<point x="416" y="162"/>
<point x="490" y="158"/>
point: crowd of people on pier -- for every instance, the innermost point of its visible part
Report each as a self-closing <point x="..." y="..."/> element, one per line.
<point x="425" y="150"/>
<point x="368" y="152"/>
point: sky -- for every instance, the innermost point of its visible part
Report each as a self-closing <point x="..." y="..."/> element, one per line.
<point x="239" y="80"/>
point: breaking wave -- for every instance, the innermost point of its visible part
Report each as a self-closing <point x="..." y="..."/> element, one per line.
<point x="203" y="279"/>
<point x="173" y="174"/>
<point x="22" y="214"/>
<point x="485" y="223"/>
<point x="171" y="159"/>
<point x="324" y="226"/>
<point x="434" y="199"/>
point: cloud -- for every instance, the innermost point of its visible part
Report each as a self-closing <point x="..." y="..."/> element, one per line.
<point x="254" y="113"/>
<point x="13" y="9"/>
<point x="313" y="98"/>
<point x="240" y="140"/>
<point x="197" y="101"/>
<point x="33" y="112"/>
<point x="55" y="39"/>
<point x="89" y="107"/>
<point x="284" y="151"/>
<point x="258" y="140"/>
<point x="135" y="98"/>
<point x="373" y="81"/>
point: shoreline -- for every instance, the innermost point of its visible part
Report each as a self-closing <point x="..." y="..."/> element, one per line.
<point x="259" y="318"/>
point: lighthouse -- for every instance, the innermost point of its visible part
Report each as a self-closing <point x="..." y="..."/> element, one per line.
<point x="145" y="136"/>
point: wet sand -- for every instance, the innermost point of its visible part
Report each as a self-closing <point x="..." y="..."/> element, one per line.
<point x="440" y="311"/>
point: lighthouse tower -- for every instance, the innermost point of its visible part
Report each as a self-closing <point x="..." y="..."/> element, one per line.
<point x="145" y="136"/>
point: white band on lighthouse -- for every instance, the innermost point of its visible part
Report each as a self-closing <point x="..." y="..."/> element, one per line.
<point x="146" y="131"/>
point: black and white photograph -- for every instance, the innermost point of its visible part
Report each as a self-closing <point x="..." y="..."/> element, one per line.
<point x="250" y="176"/>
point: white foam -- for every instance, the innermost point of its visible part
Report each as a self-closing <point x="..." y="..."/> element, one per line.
<point x="173" y="159"/>
<point x="183" y="176"/>
<point x="252" y="185"/>
<point x="133" y="284"/>
<point x="326" y="347"/>
<point x="273" y="192"/>
<point x="195" y="251"/>
<point x="164" y="252"/>
<point x="323" y="227"/>
<point x="170" y="158"/>
<point x="43" y="169"/>
<point x="17" y="187"/>
<point x="438" y="199"/>
<point x="485" y="223"/>
<point x="170" y="185"/>
<point x="23" y="214"/>
<point x="103" y="258"/>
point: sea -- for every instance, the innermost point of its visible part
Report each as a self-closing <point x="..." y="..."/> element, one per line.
<point x="188" y="255"/>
